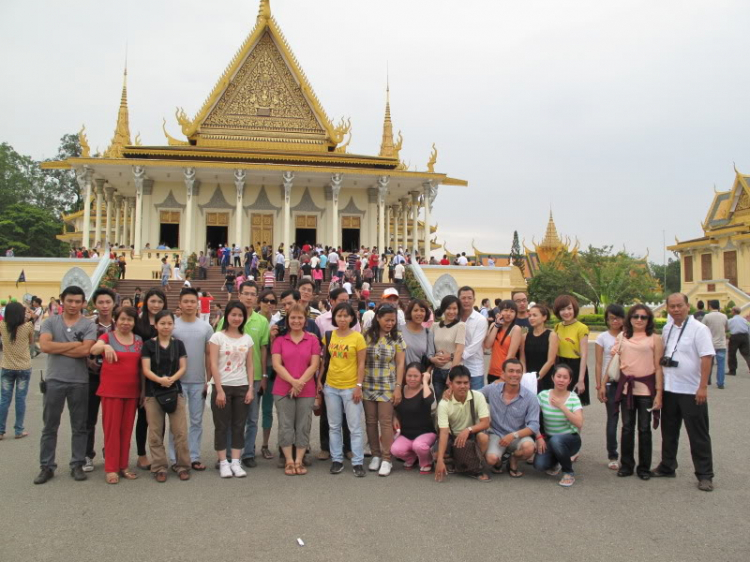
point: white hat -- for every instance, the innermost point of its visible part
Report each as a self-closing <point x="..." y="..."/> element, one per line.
<point x="390" y="292"/>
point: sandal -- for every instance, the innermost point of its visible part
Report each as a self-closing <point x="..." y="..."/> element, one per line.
<point x="554" y="471"/>
<point x="289" y="469"/>
<point x="513" y="471"/>
<point x="198" y="465"/>
<point x="567" y="480"/>
<point x="127" y="475"/>
<point x="161" y="476"/>
<point x="481" y="476"/>
<point x="184" y="475"/>
<point x="497" y="468"/>
<point x="300" y="469"/>
<point x="112" y="478"/>
<point x="22" y="435"/>
<point x="613" y="465"/>
<point x="266" y="453"/>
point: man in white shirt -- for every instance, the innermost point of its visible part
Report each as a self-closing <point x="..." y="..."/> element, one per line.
<point x="333" y="262"/>
<point x="476" y="331"/>
<point x="280" y="263"/>
<point x="390" y="296"/>
<point x="398" y="273"/>
<point x="688" y="353"/>
<point x="462" y="260"/>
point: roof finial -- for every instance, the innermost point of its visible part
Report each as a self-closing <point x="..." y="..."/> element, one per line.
<point x="264" y="12"/>
<point x="387" y="148"/>
<point x="121" y="137"/>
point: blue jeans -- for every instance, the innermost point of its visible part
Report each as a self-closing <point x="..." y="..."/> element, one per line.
<point x="477" y="383"/>
<point x="251" y="425"/>
<point x="439" y="382"/>
<point x="721" y="359"/>
<point x="339" y="401"/>
<point x="559" y="450"/>
<point x="193" y="393"/>
<point x="19" y="379"/>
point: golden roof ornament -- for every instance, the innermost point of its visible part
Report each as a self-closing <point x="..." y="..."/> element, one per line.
<point x="551" y="238"/>
<point x="433" y="159"/>
<point x="387" y="147"/>
<point x="264" y="11"/>
<point x="121" y="138"/>
<point x="84" y="142"/>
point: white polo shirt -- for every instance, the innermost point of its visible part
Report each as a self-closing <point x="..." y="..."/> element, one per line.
<point x="695" y="343"/>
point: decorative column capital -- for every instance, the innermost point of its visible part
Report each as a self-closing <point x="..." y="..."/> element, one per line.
<point x="430" y="192"/>
<point x="83" y="176"/>
<point x="336" y="181"/>
<point x="192" y="184"/>
<point x="118" y="199"/>
<point x="414" y="198"/>
<point x="99" y="186"/>
<point x="109" y="193"/>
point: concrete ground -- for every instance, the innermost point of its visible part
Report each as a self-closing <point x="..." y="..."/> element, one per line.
<point x="404" y="516"/>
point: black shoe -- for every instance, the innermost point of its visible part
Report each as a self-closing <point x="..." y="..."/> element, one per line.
<point x="720" y="386"/>
<point x="78" y="474"/>
<point x="45" y="476"/>
<point x="623" y="473"/>
<point x="307" y="459"/>
<point x="732" y="374"/>
<point x="249" y="462"/>
<point x="337" y="467"/>
<point x="706" y="485"/>
<point x="359" y="471"/>
<point x="661" y="474"/>
<point x="644" y="475"/>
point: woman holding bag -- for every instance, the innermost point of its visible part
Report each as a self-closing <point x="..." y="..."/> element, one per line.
<point x="614" y="317"/>
<point x="420" y="342"/>
<point x="164" y="361"/>
<point x="640" y="388"/>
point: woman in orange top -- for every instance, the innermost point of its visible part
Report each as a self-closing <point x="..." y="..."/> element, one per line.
<point x="639" y="390"/>
<point x="504" y="338"/>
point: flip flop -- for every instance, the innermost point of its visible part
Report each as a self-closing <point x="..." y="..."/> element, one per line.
<point x="266" y="453"/>
<point x="514" y="473"/>
<point x="22" y="435"/>
<point x="127" y="475"/>
<point x="112" y="478"/>
<point x="497" y="468"/>
<point x="197" y="465"/>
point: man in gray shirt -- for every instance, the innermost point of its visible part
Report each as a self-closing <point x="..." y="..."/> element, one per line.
<point x="514" y="420"/>
<point x="739" y="331"/>
<point x="717" y="323"/>
<point x="67" y="338"/>
<point x="166" y="272"/>
<point x="194" y="333"/>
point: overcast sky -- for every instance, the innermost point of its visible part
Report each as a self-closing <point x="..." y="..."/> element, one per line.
<point x="620" y="115"/>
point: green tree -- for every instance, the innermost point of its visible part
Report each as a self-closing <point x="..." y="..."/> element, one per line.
<point x="516" y="257"/>
<point x="60" y="188"/>
<point x="554" y="279"/>
<point x="31" y="231"/>
<point x="670" y="272"/>
<point x="16" y="176"/>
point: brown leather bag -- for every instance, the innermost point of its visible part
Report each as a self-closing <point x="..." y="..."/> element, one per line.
<point x="467" y="459"/>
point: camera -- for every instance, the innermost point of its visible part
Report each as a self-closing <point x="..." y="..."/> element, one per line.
<point x="668" y="362"/>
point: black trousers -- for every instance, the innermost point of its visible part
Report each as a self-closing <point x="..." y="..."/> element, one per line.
<point x="676" y="409"/>
<point x="93" y="415"/>
<point x="741" y="343"/>
<point x="324" y="434"/>
<point x="141" y="432"/>
<point x="641" y="405"/>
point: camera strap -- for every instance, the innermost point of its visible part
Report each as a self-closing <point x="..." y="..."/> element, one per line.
<point x="679" y="336"/>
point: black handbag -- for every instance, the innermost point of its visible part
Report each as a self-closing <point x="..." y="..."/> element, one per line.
<point x="167" y="396"/>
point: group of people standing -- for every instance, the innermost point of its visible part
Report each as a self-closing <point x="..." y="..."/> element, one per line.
<point x="415" y="377"/>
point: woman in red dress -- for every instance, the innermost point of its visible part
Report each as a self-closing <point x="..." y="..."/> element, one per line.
<point x="120" y="391"/>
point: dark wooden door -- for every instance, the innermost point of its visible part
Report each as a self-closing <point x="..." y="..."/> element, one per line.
<point x="730" y="267"/>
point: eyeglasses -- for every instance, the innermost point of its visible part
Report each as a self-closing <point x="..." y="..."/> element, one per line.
<point x="639" y="317"/>
<point x="266" y="301"/>
<point x="520" y="300"/>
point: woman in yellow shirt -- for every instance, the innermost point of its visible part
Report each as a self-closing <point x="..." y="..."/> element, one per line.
<point x="345" y="352"/>
<point x="573" y="347"/>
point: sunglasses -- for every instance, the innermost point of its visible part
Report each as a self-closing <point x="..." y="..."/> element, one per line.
<point x="266" y="301"/>
<point x="639" y="317"/>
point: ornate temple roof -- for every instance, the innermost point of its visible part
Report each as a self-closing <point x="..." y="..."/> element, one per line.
<point x="121" y="138"/>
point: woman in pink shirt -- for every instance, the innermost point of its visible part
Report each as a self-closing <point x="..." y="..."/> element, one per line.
<point x="639" y="390"/>
<point x="296" y="356"/>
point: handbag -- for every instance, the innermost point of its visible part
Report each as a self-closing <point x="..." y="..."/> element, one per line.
<point x="613" y="368"/>
<point x="167" y="398"/>
<point x="424" y="361"/>
<point x="468" y="458"/>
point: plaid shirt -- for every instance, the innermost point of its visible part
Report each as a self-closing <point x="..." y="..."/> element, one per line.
<point x="380" y="369"/>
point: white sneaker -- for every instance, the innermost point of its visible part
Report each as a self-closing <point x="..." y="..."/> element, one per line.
<point x="385" y="468"/>
<point x="225" y="470"/>
<point x="88" y="465"/>
<point x="374" y="464"/>
<point x="236" y="469"/>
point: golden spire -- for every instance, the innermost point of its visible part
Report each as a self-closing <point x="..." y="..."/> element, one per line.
<point x="264" y="12"/>
<point x="386" y="145"/>
<point x="551" y="239"/>
<point x="121" y="138"/>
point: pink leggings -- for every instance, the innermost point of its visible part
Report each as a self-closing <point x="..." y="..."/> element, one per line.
<point x="409" y="450"/>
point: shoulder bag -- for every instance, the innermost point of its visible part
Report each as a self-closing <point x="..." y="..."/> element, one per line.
<point x="613" y="368"/>
<point x="468" y="459"/>
<point x="167" y="397"/>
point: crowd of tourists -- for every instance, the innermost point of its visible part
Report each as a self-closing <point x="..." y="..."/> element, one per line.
<point x="390" y="383"/>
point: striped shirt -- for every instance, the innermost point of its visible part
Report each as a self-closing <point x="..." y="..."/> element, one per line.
<point x="555" y="422"/>
<point x="380" y="369"/>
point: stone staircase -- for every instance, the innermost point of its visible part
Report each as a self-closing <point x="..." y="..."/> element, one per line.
<point x="214" y="284"/>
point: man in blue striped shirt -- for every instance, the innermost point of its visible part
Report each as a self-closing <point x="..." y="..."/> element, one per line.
<point x="514" y="420"/>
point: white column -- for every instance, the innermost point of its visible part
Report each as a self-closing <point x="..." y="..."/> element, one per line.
<point x="372" y="218"/>
<point x="415" y="221"/>
<point x="191" y="192"/>
<point x="428" y="198"/>
<point x="125" y="222"/>
<point x="118" y="210"/>
<point x="336" y="181"/>
<point x="109" y="193"/>
<point x="288" y="178"/>
<point x="239" y="184"/>
<point x="84" y="183"/>
<point x="405" y="222"/>
<point x="131" y="215"/>
<point x="139" y="178"/>
<point x="99" y="190"/>
<point x="395" y="213"/>
<point x="382" y="193"/>
<point x="387" y="227"/>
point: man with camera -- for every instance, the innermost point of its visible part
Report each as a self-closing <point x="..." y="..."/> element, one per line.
<point x="688" y="353"/>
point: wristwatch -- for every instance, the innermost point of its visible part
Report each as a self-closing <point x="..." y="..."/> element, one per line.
<point x="359" y="384"/>
<point x="469" y="428"/>
<point x="515" y="435"/>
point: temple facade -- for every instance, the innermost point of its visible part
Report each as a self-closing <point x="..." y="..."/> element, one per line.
<point x="717" y="265"/>
<point x="259" y="163"/>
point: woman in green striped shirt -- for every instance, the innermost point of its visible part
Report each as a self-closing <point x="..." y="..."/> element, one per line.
<point x="562" y="420"/>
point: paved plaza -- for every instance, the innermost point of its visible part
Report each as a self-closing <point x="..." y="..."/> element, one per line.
<point x="403" y="517"/>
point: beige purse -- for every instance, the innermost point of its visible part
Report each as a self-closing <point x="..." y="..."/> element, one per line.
<point x="613" y="369"/>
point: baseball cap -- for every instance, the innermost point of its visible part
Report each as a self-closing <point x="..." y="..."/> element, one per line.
<point x="390" y="292"/>
<point x="371" y="305"/>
